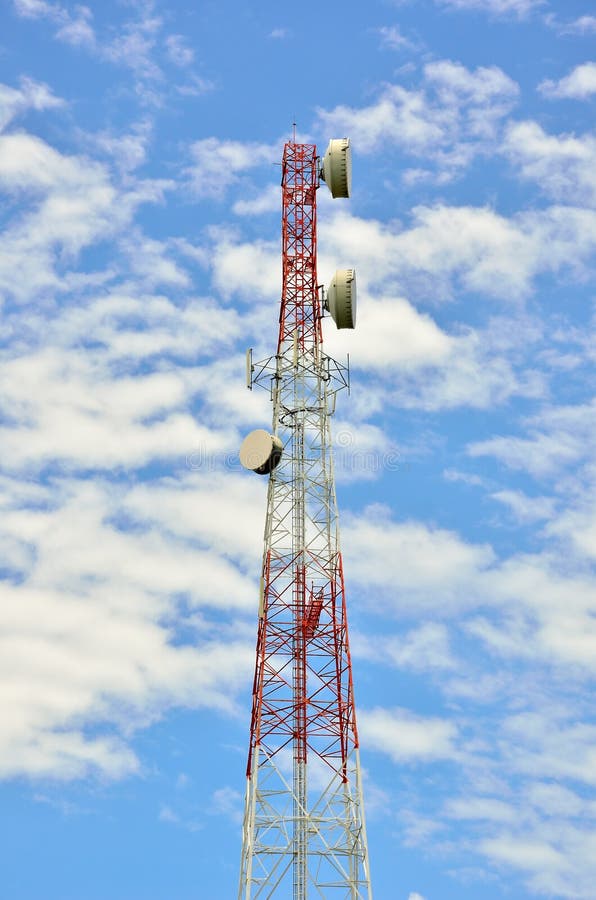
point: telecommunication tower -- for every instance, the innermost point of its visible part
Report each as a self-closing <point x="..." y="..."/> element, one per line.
<point x="304" y="832"/>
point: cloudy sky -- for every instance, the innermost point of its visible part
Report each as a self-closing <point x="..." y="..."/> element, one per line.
<point x="140" y="143"/>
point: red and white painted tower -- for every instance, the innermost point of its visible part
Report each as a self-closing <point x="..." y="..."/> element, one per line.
<point x="304" y="833"/>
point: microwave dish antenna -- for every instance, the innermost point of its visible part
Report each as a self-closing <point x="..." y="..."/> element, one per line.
<point x="261" y="451"/>
<point x="336" y="170"/>
<point x="341" y="298"/>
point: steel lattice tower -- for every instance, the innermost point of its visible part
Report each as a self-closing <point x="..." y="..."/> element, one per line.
<point x="304" y="833"/>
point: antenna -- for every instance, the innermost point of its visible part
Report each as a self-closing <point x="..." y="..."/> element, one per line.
<point x="304" y="832"/>
<point x="340" y="298"/>
<point x="336" y="170"/>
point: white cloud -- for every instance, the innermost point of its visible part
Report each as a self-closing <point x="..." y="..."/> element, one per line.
<point x="484" y="85"/>
<point x="542" y="829"/>
<point x="419" y="829"/>
<point x="69" y="412"/>
<point x="524" y="854"/>
<point x="221" y="509"/>
<point x="556" y="859"/>
<point x="455" y="115"/>
<point x="475" y="248"/>
<point x="564" y="166"/>
<point x="75" y="29"/>
<point x="72" y="385"/>
<point x="579" y="84"/>
<point x="152" y="263"/>
<point x="419" y="365"/>
<point x="227" y="801"/>
<point x="34" y="9"/>
<point x="582" y="25"/>
<point x="481" y="808"/>
<point x="267" y="200"/>
<point x="78" y="543"/>
<point x="559" y="437"/>
<point x="544" y="612"/>
<point x="128" y="150"/>
<point x="27" y="162"/>
<point x="195" y="86"/>
<point x="464" y="477"/>
<point x="88" y="634"/>
<point x="444" y="249"/>
<point x="392" y="334"/>
<point x="61" y="754"/>
<point x="519" y="8"/>
<point x="423" y="649"/>
<point x="362" y="450"/>
<point x="392" y="37"/>
<point x="90" y="647"/>
<point x="139" y="46"/>
<point x="86" y="404"/>
<point x="131" y="326"/>
<point x="31" y="95"/>
<point x="554" y="799"/>
<point x="166" y="814"/>
<point x="406" y="737"/>
<point x="411" y="564"/>
<point x="247" y="269"/>
<point x="524" y="508"/>
<point x="134" y="47"/>
<point x="77" y="204"/>
<point x="550" y="611"/>
<point x="217" y="164"/>
<point x="399" y="116"/>
<point x="178" y="50"/>
<point x="68" y="202"/>
<point x="575" y="525"/>
<point x="551" y="746"/>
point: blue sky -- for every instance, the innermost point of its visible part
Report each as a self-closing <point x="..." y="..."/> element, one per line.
<point x="140" y="144"/>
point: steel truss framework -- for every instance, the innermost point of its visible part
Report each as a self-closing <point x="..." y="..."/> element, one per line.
<point x="304" y="833"/>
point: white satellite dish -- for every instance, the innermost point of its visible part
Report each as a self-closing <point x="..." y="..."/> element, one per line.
<point x="341" y="298"/>
<point x="261" y="451"/>
<point x="336" y="171"/>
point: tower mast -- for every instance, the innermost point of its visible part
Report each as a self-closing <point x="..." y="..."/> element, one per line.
<point x="304" y="819"/>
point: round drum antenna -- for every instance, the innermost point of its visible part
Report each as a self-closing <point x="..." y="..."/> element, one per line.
<point x="336" y="171"/>
<point x="341" y="298"/>
<point x="260" y="451"/>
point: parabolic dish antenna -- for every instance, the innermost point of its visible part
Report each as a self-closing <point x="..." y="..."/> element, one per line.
<point x="341" y="298"/>
<point x="337" y="167"/>
<point x="260" y="451"/>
